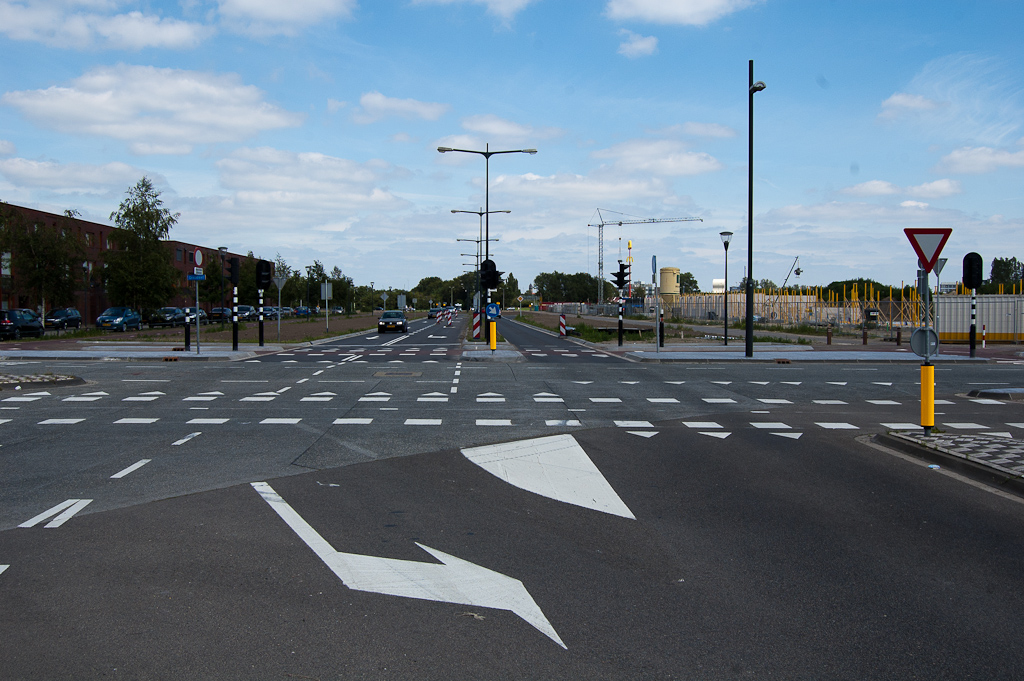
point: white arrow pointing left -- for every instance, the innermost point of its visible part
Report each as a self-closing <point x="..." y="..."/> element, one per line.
<point x="453" y="581"/>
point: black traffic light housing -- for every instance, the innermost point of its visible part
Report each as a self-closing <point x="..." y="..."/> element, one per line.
<point x="233" y="271"/>
<point x="621" y="278"/>
<point x="490" y="277"/>
<point x="973" y="274"/>
<point x="264" y="274"/>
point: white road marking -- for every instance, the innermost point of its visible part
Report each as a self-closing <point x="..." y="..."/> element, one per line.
<point x="3" y="567"/>
<point x="280" y="421"/>
<point x="352" y="422"/>
<point x="423" y="422"/>
<point x="558" y="422"/>
<point x="643" y="433"/>
<point x="901" y="426"/>
<point x="494" y="422"/>
<point x="81" y="398"/>
<point x="555" y="467"/>
<point x="137" y="421"/>
<point x="770" y="425"/>
<point x="131" y="469"/>
<point x="828" y="402"/>
<point x="453" y="581"/>
<point x="966" y="426"/>
<point x="605" y="400"/>
<point x="258" y="398"/>
<point x="768" y="400"/>
<point x="141" y="398"/>
<point x="720" y="435"/>
<point x="186" y="439"/>
<point x="207" y="422"/>
<point x="837" y="426"/>
<point x="884" y="403"/>
<point x="791" y="436"/>
<point x="663" y="400"/>
<point x="199" y="398"/>
<point x="59" y="422"/>
<point x="69" y="508"/>
<point x="985" y="401"/>
<point x="701" y="424"/>
<point x="634" y="424"/>
<point x="719" y="400"/>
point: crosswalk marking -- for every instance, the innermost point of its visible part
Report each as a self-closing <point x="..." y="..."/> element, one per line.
<point x="66" y="509"/>
<point x="137" y="420"/>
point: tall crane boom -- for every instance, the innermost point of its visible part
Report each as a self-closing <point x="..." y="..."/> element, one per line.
<point x="600" y="239"/>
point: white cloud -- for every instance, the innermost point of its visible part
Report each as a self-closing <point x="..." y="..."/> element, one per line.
<point x="505" y="9"/>
<point x="58" y="24"/>
<point x="637" y="45"/>
<point x="902" y="103"/>
<point x="69" y="178"/>
<point x="913" y="204"/>
<point x="277" y="17"/>
<point x="334" y="106"/>
<point x="965" y="98"/>
<point x="938" y="189"/>
<point x="685" y="12"/>
<point x="154" y="110"/>
<point x="981" y="160"/>
<point x="7" y="148"/>
<point x="659" y="157"/>
<point x="494" y="128"/>
<point x="373" y="106"/>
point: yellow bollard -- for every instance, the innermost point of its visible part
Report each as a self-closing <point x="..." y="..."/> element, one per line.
<point x="494" y="336"/>
<point x="927" y="398"/>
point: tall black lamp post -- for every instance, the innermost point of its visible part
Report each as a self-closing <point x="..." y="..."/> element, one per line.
<point x="753" y="87"/>
<point x="726" y="238"/>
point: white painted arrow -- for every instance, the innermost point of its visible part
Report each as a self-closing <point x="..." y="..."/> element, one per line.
<point x="453" y="581"/>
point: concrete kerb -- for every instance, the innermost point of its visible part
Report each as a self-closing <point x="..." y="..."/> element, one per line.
<point x="807" y="355"/>
<point x="920" y="447"/>
<point x="1008" y="394"/>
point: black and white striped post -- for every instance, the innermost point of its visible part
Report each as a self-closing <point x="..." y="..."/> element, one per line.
<point x="973" y="275"/>
<point x="261" y="317"/>
<point x="234" y="318"/>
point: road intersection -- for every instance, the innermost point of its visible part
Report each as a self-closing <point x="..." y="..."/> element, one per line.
<point x="642" y="521"/>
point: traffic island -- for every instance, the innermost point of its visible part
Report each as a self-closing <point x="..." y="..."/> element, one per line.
<point x="17" y="382"/>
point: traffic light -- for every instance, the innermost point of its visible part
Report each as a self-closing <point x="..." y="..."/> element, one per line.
<point x="264" y="274"/>
<point x="233" y="271"/>
<point x="973" y="273"/>
<point x="490" y="277"/>
<point x="621" y="277"/>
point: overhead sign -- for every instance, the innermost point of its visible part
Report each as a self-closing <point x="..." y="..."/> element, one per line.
<point x="450" y="580"/>
<point x="928" y="243"/>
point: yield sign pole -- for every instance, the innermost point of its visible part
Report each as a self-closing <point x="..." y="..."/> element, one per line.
<point x="927" y="243"/>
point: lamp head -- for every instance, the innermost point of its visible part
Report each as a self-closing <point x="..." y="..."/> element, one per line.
<point x="529" y="151"/>
<point x="726" y="237"/>
<point x="444" y="149"/>
<point x="756" y="87"/>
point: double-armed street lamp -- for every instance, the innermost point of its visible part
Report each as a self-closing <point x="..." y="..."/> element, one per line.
<point x="752" y="88"/>
<point x="726" y="238"/>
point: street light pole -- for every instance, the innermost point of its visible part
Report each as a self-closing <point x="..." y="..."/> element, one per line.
<point x="751" y="89"/>
<point x="487" y="153"/>
<point x="481" y="213"/>
<point x="726" y="238"/>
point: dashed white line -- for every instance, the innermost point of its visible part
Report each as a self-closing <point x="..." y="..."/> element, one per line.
<point x="131" y="469"/>
<point x="186" y="439"/>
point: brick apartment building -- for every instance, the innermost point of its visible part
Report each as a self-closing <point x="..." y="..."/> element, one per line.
<point x="96" y="242"/>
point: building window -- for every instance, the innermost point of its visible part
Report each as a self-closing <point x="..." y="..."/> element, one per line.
<point x="191" y="256"/>
<point x="88" y="238"/>
<point x="177" y="255"/>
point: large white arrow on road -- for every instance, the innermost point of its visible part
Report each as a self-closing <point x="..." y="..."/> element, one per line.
<point x="453" y="581"/>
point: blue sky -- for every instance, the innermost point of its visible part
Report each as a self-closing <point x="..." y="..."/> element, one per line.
<point x="309" y="128"/>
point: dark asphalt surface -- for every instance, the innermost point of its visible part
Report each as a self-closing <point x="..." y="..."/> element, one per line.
<point x="784" y="549"/>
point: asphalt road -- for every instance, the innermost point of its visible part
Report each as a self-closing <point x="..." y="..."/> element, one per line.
<point x="760" y="537"/>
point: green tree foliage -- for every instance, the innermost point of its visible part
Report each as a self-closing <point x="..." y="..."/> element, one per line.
<point x="46" y="261"/>
<point x="437" y="290"/>
<point x="140" y="272"/>
<point x="1006" y="271"/>
<point x="570" y="288"/>
<point x="688" y="283"/>
<point x="863" y="287"/>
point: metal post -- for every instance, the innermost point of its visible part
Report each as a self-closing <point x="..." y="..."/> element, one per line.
<point x="261" y="317"/>
<point x="197" y="317"/>
<point x="234" y="318"/>
<point x="749" y="337"/>
<point x="620" y="317"/>
<point x="974" y="322"/>
<point x="278" y="314"/>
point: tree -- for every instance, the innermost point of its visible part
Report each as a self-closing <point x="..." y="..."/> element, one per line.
<point x="688" y="283"/>
<point x="570" y="288"/>
<point x="46" y="261"/>
<point x="1006" y="271"/>
<point x="140" y="272"/>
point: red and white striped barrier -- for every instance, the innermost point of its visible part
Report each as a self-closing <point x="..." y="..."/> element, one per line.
<point x="982" y="335"/>
<point x="561" y="325"/>
<point x="449" y="317"/>
<point x="476" y="325"/>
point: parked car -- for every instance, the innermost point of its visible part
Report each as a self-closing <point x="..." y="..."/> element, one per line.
<point x="393" y="320"/>
<point x="247" y="313"/>
<point x="220" y="314"/>
<point x="166" y="316"/>
<point x="19" y="322"/>
<point x="119" y="319"/>
<point x="63" y="318"/>
<point x="190" y="313"/>
<point x="303" y="311"/>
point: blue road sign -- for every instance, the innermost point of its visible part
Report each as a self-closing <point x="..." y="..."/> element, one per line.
<point x="197" y="277"/>
<point x="493" y="311"/>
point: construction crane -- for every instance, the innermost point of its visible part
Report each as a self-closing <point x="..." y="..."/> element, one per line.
<point x="600" y="239"/>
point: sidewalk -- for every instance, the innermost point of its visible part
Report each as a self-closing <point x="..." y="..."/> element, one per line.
<point x="98" y="351"/>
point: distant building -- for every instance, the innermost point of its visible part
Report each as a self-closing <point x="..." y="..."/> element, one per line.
<point x="96" y="241"/>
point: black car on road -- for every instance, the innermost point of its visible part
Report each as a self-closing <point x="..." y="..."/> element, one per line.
<point x="166" y="316"/>
<point x="19" y="322"/>
<point x="393" y="320"/>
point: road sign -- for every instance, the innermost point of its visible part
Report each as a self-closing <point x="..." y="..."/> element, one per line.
<point x="199" y="257"/>
<point x="326" y="290"/>
<point x="520" y="299"/>
<point x="928" y="243"/>
<point x="383" y="296"/>
<point x="197" y="270"/>
<point x="279" y="282"/>
<point x="939" y="264"/>
<point x="493" y="310"/>
<point x="197" y="277"/>
<point x="924" y="342"/>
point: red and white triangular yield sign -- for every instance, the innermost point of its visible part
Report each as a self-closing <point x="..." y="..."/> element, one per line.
<point x="928" y="243"/>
